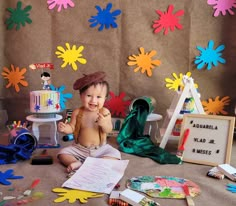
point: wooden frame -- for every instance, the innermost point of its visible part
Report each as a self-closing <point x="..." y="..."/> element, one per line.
<point x="210" y="138"/>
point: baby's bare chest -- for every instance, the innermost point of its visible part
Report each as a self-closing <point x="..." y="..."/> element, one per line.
<point x="89" y="120"/>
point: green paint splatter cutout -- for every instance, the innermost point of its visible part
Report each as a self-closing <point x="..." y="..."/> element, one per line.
<point x="18" y="16"/>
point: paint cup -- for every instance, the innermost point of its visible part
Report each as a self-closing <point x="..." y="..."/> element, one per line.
<point x="145" y="101"/>
<point x="177" y="128"/>
<point x="188" y="106"/>
<point x="23" y="137"/>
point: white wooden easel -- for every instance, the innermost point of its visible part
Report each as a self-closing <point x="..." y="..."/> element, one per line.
<point x="174" y="111"/>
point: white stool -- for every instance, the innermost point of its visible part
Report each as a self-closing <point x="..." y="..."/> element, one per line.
<point x="151" y="127"/>
<point x="45" y="121"/>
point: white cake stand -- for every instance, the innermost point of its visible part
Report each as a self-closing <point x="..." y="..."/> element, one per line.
<point x="51" y="121"/>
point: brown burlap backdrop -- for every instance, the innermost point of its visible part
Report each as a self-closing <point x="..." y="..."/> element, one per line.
<point x="108" y="50"/>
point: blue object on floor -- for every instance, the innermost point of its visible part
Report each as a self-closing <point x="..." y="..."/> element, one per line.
<point x="9" y="174"/>
<point x="12" y="153"/>
<point x="231" y="188"/>
<point x="47" y="146"/>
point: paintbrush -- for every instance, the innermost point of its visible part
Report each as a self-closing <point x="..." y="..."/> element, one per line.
<point x="33" y="185"/>
<point x="182" y="145"/>
<point x="42" y="159"/>
<point x="187" y="195"/>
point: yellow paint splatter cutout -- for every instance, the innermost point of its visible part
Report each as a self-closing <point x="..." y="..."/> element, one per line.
<point x="71" y="55"/>
<point x="177" y="82"/>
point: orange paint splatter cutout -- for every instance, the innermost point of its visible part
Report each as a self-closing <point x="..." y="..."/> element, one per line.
<point x="216" y="106"/>
<point x="14" y="77"/>
<point x="144" y="61"/>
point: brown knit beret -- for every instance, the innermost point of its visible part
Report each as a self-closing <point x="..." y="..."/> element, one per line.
<point x="89" y="79"/>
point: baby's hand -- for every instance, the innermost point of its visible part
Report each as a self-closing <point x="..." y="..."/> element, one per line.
<point x="102" y="120"/>
<point x="61" y="127"/>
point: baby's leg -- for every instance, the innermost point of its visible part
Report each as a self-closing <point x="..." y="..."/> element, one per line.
<point x="73" y="166"/>
<point x="107" y="152"/>
<point x="69" y="161"/>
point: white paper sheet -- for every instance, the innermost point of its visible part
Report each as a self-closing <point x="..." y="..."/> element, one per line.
<point x="97" y="175"/>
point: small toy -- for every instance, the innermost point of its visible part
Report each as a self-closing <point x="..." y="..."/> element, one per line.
<point x="45" y="76"/>
<point x="8" y="175"/>
<point x="72" y="195"/>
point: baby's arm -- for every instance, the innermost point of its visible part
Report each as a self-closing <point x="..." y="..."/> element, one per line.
<point x="104" y="120"/>
<point x="68" y="128"/>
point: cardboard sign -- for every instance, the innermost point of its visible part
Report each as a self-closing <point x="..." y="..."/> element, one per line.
<point x="210" y="138"/>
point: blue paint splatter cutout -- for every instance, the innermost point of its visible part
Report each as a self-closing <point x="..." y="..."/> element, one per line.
<point x="63" y="97"/>
<point x="105" y="17"/>
<point x="209" y="56"/>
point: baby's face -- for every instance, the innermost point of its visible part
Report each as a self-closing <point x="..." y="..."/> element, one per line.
<point x="94" y="97"/>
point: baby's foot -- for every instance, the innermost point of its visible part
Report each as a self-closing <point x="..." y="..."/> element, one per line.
<point x="71" y="174"/>
<point x="73" y="166"/>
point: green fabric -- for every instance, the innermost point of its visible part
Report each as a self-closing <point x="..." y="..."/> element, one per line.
<point x="131" y="139"/>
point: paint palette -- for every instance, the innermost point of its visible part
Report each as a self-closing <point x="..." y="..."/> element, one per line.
<point x="163" y="186"/>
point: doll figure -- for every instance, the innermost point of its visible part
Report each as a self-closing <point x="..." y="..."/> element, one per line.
<point x="45" y="76"/>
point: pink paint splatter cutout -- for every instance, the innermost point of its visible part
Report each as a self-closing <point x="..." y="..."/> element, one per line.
<point x="60" y="3"/>
<point x="222" y="6"/>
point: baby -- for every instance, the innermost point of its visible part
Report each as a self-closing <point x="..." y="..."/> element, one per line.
<point x="89" y="124"/>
